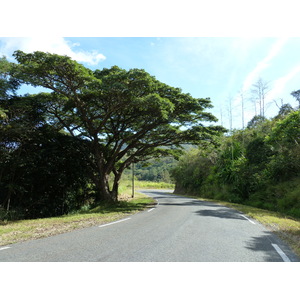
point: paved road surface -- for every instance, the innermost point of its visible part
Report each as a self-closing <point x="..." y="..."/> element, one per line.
<point x="178" y="229"/>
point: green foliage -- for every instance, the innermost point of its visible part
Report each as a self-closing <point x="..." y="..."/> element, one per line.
<point x="256" y="121"/>
<point x="284" y="111"/>
<point x="69" y="147"/>
<point x="157" y="170"/>
<point x="259" y="166"/>
<point x="191" y="171"/>
<point x="284" y="138"/>
<point x="8" y="84"/>
<point x="286" y="132"/>
<point x="43" y="172"/>
<point x="128" y="116"/>
<point x="258" y="152"/>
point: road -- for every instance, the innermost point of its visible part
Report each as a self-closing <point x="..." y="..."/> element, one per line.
<point x="177" y="229"/>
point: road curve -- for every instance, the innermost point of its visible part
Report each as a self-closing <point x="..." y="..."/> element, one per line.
<point x="177" y="229"/>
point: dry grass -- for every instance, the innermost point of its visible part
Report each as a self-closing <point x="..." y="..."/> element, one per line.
<point x="18" y="231"/>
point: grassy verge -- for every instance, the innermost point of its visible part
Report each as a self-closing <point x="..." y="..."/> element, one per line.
<point x="126" y="185"/>
<point x="286" y="227"/>
<point x="18" y="231"/>
<point x="154" y="185"/>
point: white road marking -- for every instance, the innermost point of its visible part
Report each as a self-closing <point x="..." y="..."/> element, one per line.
<point x="3" y="248"/>
<point x="281" y="253"/>
<point x="248" y="219"/>
<point x="114" y="222"/>
<point x="157" y="203"/>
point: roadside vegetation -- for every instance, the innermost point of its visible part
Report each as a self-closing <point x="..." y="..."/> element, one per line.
<point x="22" y="230"/>
<point x="258" y="166"/>
<point x="142" y="184"/>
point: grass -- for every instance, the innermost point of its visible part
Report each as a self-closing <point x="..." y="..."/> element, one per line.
<point x="286" y="227"/>
<point x="126" y="184"/>
<point x="22" y="230"/>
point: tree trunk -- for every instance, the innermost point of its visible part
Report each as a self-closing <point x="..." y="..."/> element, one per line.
<point x="104" y="194"/>
<point x="101" y="178"/>
<point x="115" y="188"/>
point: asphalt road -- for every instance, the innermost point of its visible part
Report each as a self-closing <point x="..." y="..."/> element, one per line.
<point x="177" y="229"/>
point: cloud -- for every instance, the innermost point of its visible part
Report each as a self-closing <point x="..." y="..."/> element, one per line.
<point x="57" y="45"/>
<point x="280" y="83"/>
<point x="253" y="76"/>
<point x="264" y="63"/>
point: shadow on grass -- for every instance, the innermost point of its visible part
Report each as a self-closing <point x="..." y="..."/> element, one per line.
<point x="119" y="207"/>
<point x="122" y="207"/>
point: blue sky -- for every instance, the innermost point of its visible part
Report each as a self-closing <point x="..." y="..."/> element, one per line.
<point x="218" y="67"/>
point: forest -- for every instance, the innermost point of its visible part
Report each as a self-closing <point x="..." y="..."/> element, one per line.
<point x="257" y="166"/>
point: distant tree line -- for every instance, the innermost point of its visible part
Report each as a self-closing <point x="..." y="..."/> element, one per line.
<point x="157" y="170"/>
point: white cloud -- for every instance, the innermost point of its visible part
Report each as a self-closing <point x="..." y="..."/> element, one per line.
<point x="264" y="63"/>
<point x="253" y="76"/>
<point x="279" y="84"/>
<point x="57" y="45"/>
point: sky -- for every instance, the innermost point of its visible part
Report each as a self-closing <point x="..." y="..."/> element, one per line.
<point x="214" y="49"/>
<point x="216" y="67"/>
<point x="219" y="68"/>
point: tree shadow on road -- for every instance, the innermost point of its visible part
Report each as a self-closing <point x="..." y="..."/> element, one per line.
<point x="189" y="203"/>
<point x="221" y="212"/>
<point x="209" y="209"/>
<point x="264" y="244"/>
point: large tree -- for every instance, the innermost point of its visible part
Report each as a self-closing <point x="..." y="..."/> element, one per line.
<point x="127" y="116"/>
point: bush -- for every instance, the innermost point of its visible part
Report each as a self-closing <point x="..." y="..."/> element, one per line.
<point x="290" y="202"/>
<point x="45" y="177"/>
<point x="258" y="166"/>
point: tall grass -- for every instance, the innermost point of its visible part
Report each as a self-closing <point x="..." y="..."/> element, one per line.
<point x="126" y="186"/>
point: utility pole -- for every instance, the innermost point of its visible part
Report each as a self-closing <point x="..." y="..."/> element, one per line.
<point x="230" y="124"/>
<point x="132" y="167"/>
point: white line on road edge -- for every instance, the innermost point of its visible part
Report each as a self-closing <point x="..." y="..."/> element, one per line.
<point x="114" y="222"/>
<point x="154" y="207"/>
<point x="281" y="253"/>
<point x="3" y="248"/>
<point x="247" y="219"/>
